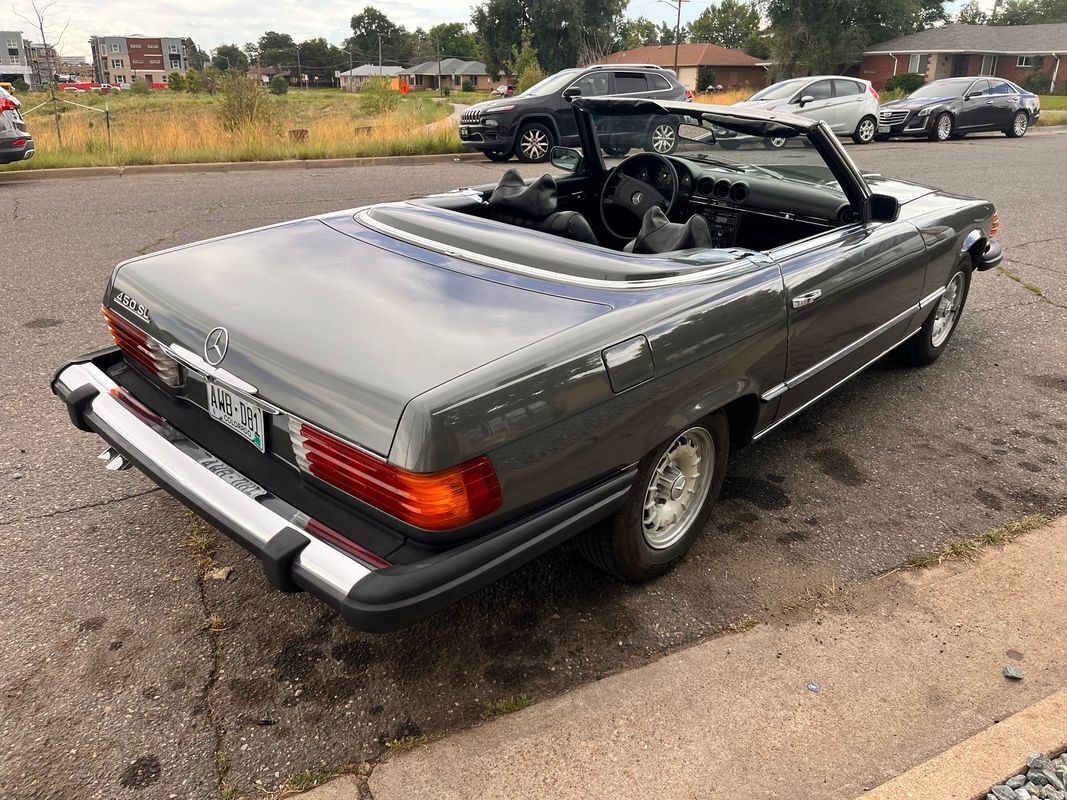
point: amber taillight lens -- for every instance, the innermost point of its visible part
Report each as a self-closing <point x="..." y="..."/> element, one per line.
<point x="138" y="346"/>
<point x="994" y="224"/>
<point x="433" y="501"/>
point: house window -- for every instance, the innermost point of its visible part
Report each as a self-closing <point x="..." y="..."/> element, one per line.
<point x="114" y="48"/>
<point x="116" y="63"/>
<point x="1026" y="62"/>
<point x="134" y="46"/>
<point x="989" y="65"/>
<point x="174" y="48"/>
<point x="11" y="44"/>
<point x="120" y="79"/>
<point x="918" y="62"/>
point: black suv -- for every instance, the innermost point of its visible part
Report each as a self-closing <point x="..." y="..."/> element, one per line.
<point x="528" y="125"/>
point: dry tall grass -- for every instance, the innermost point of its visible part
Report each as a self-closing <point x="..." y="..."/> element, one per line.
<point x="175" y="130"/>
<point x="727" y="98"/>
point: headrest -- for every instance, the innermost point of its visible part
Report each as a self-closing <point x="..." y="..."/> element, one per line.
<point x="660" y="235"/>
<point x="512" y="196"/>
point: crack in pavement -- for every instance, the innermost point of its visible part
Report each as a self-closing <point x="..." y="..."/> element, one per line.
<point x="83" y="507"/>
<point x="196" y="221"/>
<point x="1033" y="288"/>
<point x="1037" y="266"/>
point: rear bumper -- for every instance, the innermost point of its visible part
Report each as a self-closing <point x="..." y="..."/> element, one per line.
<point x="991" y="256"/>
<point x="368" y="597"/>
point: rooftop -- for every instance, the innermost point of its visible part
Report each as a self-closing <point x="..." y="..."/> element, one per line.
<point x="1009" y="39"/>
<point x="689" y="55"/>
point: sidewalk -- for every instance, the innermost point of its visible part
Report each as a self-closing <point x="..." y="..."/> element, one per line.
<point x="905" y="667"/>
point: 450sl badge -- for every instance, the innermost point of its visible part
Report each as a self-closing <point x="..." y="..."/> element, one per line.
<point x="131" y="305"/>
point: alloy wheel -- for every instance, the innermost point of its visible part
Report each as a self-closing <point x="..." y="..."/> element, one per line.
<point x="948" y="311"/>
<point x="944" y="127"/>
<point x="534" y="144"/>
<point x="678" y="488"/>
<point x="866" y="130"/>
<point x="1019" y="126"/>
<point x="663" y="137"/>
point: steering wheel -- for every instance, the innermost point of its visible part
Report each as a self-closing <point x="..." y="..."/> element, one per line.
<point x="630" y="198"/>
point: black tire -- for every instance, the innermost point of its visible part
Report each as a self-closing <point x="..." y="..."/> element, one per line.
<point x="497" y="155"/>
<point x="616" y="150"/>
<point x="866" y="130"/>
<point x="619" y="545"/>
<point x="943" y="129"/>
<point x="1020" y="124"/>
<point x="534" y="142"/>
<point x="662" y="138"/>
<point x="926" y="346"/>
<point x="727" y="144"/>
<point x="881" y="137"/>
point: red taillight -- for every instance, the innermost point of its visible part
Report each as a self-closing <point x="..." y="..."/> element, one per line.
<point x="6" y="105"/>
<point x="18" y="143"/>
<point x="140" y="347"/>
<point x="321" y="531"/>
<point x="434" y="501"/>
<point x="994" y="224"/>
<point x="873" y="91"/>
<point x="688" y="94"/>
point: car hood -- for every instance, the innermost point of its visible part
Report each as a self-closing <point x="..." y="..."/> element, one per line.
<point x="339" y="331"/>
<point x="500" y="102"/>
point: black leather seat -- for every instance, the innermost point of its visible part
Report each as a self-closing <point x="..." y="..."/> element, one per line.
<point x="535" y="206"/>
<point x="660" y="235"/>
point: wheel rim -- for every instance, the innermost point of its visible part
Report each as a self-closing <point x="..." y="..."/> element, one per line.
<point x="944" y="127"/>
<point x="777" y="142"/>
<point x="948" y="311"/>
<point x="866" y="130"/>
<point x="678" y="488"/>
<point x="663" y="139"/>
<point x="534" y="144"/>
<point x="1020" y="124"/>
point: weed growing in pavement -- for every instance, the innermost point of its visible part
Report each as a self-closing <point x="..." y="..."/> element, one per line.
<point x="815" y="595"/>
<point x="961" y="549"/>
<point x="406" y="743"/>
<point x="506" y="706"/>
<point x="200" y="539"/>
<point x="742" y="625"/>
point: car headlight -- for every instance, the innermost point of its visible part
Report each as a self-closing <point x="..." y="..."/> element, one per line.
<point x="497" y="109"/>
<point x="924" y="111"/>
<point x="491" y="123"/>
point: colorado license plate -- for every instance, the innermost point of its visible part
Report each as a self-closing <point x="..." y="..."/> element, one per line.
<point x="883" y="129"/>
<point x="237" y="414"/>
<point x="463" y="131"/>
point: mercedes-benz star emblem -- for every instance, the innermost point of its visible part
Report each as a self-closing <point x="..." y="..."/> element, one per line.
<point x="636" y="199"/>
<point x="215" y="346"/>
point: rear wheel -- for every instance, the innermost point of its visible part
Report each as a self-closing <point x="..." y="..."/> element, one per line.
<point x="497" y="155"/>
<point x="926" y="346"/>
<point x="775" y="143"/>
<point x="616" y="150"/>
<point x="881" y="137"/>
<point x="663" y="138"/>
<point x="727" y="144"/>
<point x="943" y="128"/>
<point x="865" y="131"/>
<point x="535" y="140"/>
<point x="1020" y="123"/>
<point x="672" y="497"/>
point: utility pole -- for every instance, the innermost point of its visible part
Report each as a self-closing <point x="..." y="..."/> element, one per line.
<point x="379" y="55"/>
<point x="299" y="70"/>
<point x="677" y="5"/>
<point x="440" y="88"/>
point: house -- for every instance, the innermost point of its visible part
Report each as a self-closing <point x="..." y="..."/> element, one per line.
<point x="454" y="72"/>
<point x="264" y="74"/>
<point x="352" y="80"/>
<point x="121" y="60"/>
<point x="733" y="68"/>
<point x="955" y="51"/>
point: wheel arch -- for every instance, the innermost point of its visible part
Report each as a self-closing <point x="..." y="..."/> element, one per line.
<point x="974" y="244"/>
<point x="537" y="116"/>
<point x="737" y="400"/>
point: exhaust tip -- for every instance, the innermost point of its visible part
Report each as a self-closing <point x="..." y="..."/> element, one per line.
<point x="116" y="462"/>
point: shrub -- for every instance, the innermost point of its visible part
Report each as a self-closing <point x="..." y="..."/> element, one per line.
<point x="446" y="89"/>
<point x="908" y="82"/>
<point x="20" y="85"/>
<point x="279" y="85"/>
<point x="528" y="77"/>
<point x="243" y="104"/>
<point x="1035" y="81"/>
<point x="139" y="86"/>
<point x="378" y="97"/>
<point x="468" y="86"/>
<point x="705" y="78"/>
<point x="194" y="81"/>
<point x="176" y="82"/>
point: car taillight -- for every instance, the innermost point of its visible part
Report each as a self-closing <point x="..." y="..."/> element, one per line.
<point x="18" y="143"/>
<point x="994" y="224"/>
<point x="433" y="501"/>
<point x="873" y="91"/>
<point x="688" y="94"/>
<point x="142" y="348"/>
<point x="6" y="105"/>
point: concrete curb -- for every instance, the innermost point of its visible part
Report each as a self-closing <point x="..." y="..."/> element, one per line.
<point x="67" y="173"/>
<point x="966" y="771"/>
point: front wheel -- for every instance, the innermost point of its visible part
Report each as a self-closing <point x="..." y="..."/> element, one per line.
<point x="672" y="497"/>
<point x="497" y="155"/>
<point x="865" y="131"/>
<point x="927" y="345"/>
<point x="1020" y="123"/>
<point x="774" y="143"/>
<point x="943" y="128"/>
<point x="663" y="138"/>
<point x="535" y="140"/>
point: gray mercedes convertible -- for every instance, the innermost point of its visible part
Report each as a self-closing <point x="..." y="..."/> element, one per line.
<point x="395" y="405"/>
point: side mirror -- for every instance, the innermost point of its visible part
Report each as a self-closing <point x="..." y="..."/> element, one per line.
<point x="884" y="208"/>
<point x="806" y="99"/>
<point x="565" y="158"/>
<point x="571" y="92"/>
<point x="969" y="95"/>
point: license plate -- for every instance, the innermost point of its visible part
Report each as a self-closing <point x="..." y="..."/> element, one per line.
<point x="237" y="414"/>
<point x="464" y="131"/>
<point x="238" y="481"/>
<point x="883" y="129"/>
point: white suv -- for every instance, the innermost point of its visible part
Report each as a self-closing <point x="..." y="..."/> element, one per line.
<point x="848" y="105"/>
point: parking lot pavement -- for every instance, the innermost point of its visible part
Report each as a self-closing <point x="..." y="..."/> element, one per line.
<point x="128" y="676"/>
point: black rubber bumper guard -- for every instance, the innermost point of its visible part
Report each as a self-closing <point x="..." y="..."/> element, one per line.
<point x="369" y="599"/>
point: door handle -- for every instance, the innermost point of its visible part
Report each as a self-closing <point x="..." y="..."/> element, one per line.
<point x="807" y="298"/>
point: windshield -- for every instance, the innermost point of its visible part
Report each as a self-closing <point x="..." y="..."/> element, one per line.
<point x="778" y="91"/>
<point x="715" y="141"/>
<point x="940" y="89"/>
<point x="551" y="84"/>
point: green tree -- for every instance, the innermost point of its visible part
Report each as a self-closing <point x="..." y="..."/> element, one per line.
<point x="370" y="24"/>
<point x="454" y="40"/>
<point x="197" y="58"/>
<point x="1032" y="12"/>
<point x="194" y="81"/>
<point x="378" y="97"/>
<point x="498" y="25"/>
<point x="230" y="57"/>
<point x="176" y="81"/>
<point x="318" y="60"/>
<point x="634" y="33"/>
<point x="278" y="85"/>
<point x="972" y="14"/>
<point x="666" y="34"/>
<point x="212" y="76"/>
<point x="729" y="24"/>
<point x="524" y="64"/>
<point x="276" y="49"/>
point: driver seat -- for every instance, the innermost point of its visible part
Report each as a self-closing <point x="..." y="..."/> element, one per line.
<point x="659" y="235"/>
<point x="534" y="206"/>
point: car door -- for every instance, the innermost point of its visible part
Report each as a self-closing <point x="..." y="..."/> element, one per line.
<point x="849" y="97"/>
<point x="821" y="105"/>
<point x="852" y="294"/>
<point x="1004" y="101"/>
<point x="973" y="113"/>
<point x="595" y="83"/>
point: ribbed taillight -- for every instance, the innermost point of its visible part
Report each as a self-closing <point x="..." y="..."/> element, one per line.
<point x="433" y="501"/>
<point x="142" y="348"/>
<point x="994" y="225"/>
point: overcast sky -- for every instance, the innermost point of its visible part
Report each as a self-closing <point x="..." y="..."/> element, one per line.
<point x="214" y="22"/>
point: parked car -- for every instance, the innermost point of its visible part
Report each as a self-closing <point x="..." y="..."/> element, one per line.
<point x="15" y="144"/>
<point x="848" y="105"/>
<point x="503" y="90"/>
<point x="9" y="108"/>
<point x="953" y="107"/>
<point x="530" y="124"/>
<point x="467" y="379"/>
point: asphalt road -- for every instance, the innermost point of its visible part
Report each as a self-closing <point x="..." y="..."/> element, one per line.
<point x="118" y="681"/>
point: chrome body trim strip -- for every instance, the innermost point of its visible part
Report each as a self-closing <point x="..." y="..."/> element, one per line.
<point x="175" y="456"/>
<point x="825" y="392"/>
<point x="970" y="239"/>
<point x="773" y="392"/>
<point x="934" y="295"/>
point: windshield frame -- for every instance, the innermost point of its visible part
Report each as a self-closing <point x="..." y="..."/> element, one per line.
<point x="797" y="83"/>
<point x="559" y="81"/>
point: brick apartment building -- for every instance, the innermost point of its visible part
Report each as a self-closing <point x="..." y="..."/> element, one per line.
<point x="121" y="60"/>
<point x="954" y="51"/>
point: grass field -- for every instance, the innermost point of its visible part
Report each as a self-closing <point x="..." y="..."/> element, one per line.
<point x="174" y="128"/>
<point x="1054" y="102"/>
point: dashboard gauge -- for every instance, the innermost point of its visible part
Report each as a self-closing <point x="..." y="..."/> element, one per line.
<point x="685" y="182"/>
<point x="664" y="180"/>
<point x="642" y="175"/>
